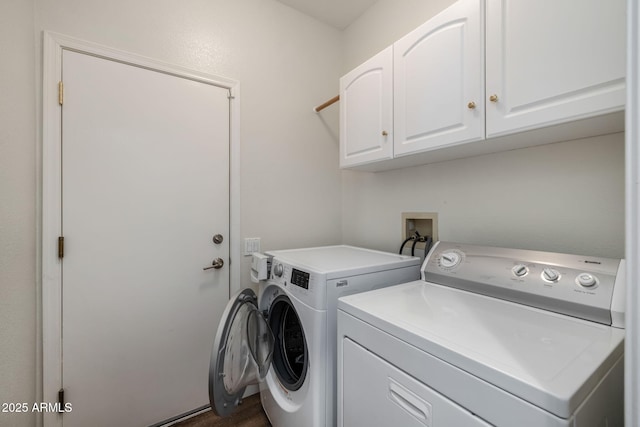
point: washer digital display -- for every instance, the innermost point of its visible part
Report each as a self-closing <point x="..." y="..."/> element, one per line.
<point x="300" y="278"/>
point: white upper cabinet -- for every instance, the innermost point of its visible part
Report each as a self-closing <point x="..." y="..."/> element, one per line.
<point x="366" y="111"/>
<point x="552" y="61"/>
<point x="439" y="81"/>
<point x="484" y="76"/>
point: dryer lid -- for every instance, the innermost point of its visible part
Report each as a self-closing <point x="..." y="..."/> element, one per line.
<point x="241" y="354"/>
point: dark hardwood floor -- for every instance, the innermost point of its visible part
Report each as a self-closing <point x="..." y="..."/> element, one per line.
<point x="249" y="414"/>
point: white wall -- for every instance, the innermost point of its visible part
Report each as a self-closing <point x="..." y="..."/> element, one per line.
<point x="17" y="209"/>
<point x="564" y="197"/>
<point x="286" y="64"/>
<point x="544" y="198"/>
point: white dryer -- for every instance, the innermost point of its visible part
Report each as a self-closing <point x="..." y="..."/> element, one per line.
<point x="284" y="338"/>
<point x="487" y="337"/>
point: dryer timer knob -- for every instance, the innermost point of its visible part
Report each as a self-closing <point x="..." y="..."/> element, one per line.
<point x="278" y="270"/>
<point x="450" y="259"/>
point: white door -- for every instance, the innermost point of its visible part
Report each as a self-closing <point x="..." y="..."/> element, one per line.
<point x="439" y="81"/>
<point x="366" y="111"/>
<point x="145" y="187"/>
<point x="549" y="62"/>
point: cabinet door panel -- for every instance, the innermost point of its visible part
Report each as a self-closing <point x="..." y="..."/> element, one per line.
<point x="366" y="115"/>
<point x="552" y="61"/>
<point x="438" y="71"/>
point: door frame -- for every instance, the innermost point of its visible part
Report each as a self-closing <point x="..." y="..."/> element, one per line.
<point x="54" y="45"/>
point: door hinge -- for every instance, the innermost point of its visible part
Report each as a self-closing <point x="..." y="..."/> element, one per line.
<point x="61" y="400"/>
<point x="60" y="247"/>
<point x="60" y="92"/>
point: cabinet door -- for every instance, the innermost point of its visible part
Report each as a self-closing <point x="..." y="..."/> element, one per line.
<point x="439" y="81"/>
<point x="552" y="61"/>
<point x="366" y="115"/>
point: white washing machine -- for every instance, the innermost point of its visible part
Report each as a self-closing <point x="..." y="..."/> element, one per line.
<point x="487" y="337"/>
<point x="285" y="337"/>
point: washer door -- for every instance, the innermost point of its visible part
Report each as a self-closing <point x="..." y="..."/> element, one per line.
<point x="241" y="354"/>
<point x="291" y="356"/>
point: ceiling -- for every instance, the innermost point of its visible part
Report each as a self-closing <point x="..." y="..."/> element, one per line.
<point x="337" y="13"/>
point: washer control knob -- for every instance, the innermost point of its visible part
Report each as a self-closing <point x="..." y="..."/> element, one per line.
<point x="278" y="270"/>
<point x="586" y="280"/>
<point x="450" y="259"/>
<point x="550" y="275"/>
<point x="520" y="270"/>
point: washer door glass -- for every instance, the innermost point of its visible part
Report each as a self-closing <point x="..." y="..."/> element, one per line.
<point x="241" y="354"/>
<point x="290" y="356"/>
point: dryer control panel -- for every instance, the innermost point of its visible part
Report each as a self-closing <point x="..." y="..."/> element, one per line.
<point x="591" y="288"/>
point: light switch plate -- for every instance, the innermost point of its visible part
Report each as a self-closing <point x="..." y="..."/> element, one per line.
<point x="251" y="245"/>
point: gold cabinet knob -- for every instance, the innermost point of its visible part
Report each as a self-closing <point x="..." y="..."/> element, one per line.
<point x="493" y="98"/>
<point x="384" y="133"/>
<point x="471" y="105"/>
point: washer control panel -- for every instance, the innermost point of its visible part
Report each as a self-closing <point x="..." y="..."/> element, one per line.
<point x="299" y="282"/>
<point x="580" y="286"/>
<point x="300" y="278"/>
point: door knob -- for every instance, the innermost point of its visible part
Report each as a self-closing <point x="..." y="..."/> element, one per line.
<point x="217" y="263"/>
